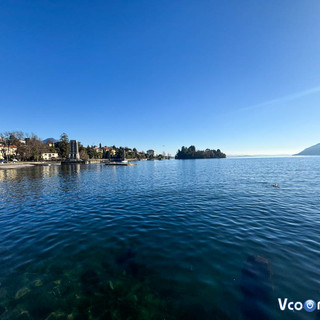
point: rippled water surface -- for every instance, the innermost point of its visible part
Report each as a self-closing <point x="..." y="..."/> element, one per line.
<point x="188" y="239"/>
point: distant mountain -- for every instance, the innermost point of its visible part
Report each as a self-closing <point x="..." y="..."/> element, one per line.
<point x="50" y="139"/>
<point x="311" y="151"/>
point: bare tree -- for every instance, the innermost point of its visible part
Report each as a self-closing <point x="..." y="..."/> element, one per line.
<point x="83" y="154"/>
<point x="36" y="147"/>
<point x="11" y="138"/>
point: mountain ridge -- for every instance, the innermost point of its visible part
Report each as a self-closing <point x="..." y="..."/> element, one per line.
<point x="311" y="151"/>
<point x="50" y="139"/>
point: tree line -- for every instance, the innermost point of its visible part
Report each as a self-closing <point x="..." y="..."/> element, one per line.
<point x="30" y="148"/>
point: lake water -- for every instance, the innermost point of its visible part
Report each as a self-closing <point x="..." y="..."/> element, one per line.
<point x="188" y="239"/>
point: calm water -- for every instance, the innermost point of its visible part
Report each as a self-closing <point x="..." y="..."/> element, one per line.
<point x="192" y="239"/>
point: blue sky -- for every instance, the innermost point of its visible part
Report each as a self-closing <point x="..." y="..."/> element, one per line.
<point x="242" y="76"/>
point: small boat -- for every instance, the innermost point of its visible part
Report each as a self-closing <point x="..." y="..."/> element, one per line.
<point x="121" y="163"/>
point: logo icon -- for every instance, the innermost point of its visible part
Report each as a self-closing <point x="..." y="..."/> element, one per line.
<point x="309" y="305"/>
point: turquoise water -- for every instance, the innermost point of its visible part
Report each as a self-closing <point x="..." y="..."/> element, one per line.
<point x="188" y="239"/>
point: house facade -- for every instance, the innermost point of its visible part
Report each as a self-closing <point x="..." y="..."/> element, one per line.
<point x="10" y="151"/>
<point x="49" y="156"/>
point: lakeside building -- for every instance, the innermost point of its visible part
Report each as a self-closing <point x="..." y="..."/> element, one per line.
<point x="141" y="154"/>
<point x="97" y="149"/>
<point x="74" y="151"/>
<point x="7" y="151"/>
<point x="110" y="149"/>
<point x="74" y="155"/>
<point x="152" y="153"/>
<point x="49" y="156"/>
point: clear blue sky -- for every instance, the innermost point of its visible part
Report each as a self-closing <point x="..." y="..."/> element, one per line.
<point x="242" y="76"/>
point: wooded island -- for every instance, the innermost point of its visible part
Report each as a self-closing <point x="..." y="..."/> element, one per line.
<point x="192" y="153"/>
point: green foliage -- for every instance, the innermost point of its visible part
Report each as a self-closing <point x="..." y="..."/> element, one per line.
<point x="63" y="146"/>
<point x="120" y="153"/>
<point x="192" y="153"/>
<point x="30" y="147"/>
<point x="92" y="153"/>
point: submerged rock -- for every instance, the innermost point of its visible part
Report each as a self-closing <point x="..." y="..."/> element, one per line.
<point x="21" y="292"/>
<point x="90" y="281"/>
<point x="111" y="285"/>
<point x="24" y="315"/>
<point x="56" y="291"/>
<point x="2" y="309"/>
<point x="3" y="293"/>
<point x="41" y="303"/>
<point x="37" y="283"/>
<point x="256" y="288"/>
<point x="125" y="257"/>
<point x="57" y="315"/>
<point x="194" y="312"/>
<point x="128" y="264"/>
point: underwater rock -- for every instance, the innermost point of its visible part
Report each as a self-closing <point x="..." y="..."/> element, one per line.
<point x="127" y="262"/>
<point x="56" y="316"/>
<point x="21" y="292"/>
<point x="2" y="309"/>
<point x="111" y="285"/>
<point x="56" y="291"/>
<point x="41" y="303"/>
<point x="256" y="288"/>
<point x="125" y="257"/>
<point x="194" y="312"/>
<point x="90" y="281"/>
<point x="37" y="283"/>
<point x="3" y="293"/>
<point x="24" y="315"/>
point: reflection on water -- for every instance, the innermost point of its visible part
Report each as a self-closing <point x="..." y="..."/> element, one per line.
<point x="72" y="169"/>
<point x="207" y="239"/>
<point x="8" y="175"/>
<point x="36" y="172"/>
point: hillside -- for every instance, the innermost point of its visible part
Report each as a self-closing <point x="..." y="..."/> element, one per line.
<point x="311" y="151"/>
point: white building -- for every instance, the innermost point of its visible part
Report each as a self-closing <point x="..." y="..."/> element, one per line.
<point x="49" y="155"/>
<point x="97" y="149"/>
<point x="6" y="151"/>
